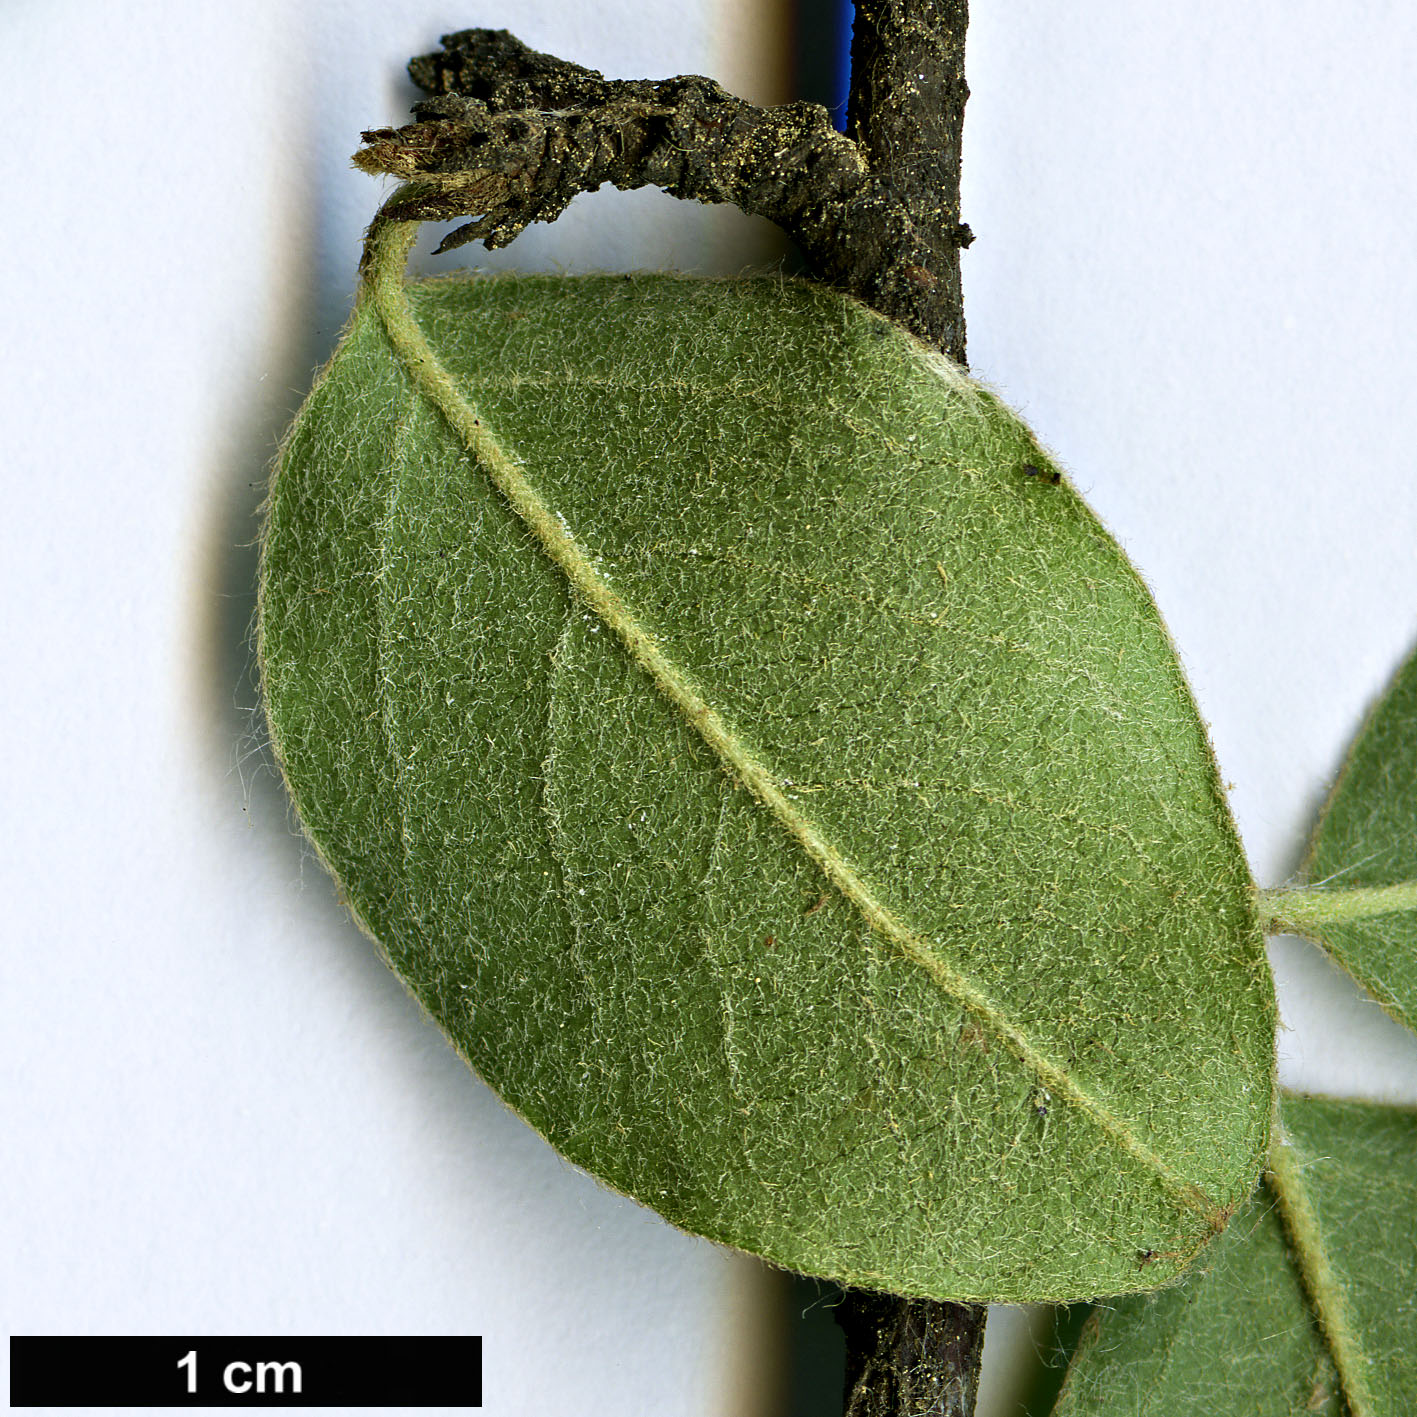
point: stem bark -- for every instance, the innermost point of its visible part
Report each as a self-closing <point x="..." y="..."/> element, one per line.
<point x="914" y="1357"/>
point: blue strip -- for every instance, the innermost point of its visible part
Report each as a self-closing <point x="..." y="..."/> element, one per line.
<point x="841" y="75"/>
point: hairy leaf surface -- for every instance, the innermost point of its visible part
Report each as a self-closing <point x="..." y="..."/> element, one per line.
<point x="1367" y="839"/>
<point x="1235" y="1338"/>
<point x="772" y="778"/>
<point x="1320" y="1266"/>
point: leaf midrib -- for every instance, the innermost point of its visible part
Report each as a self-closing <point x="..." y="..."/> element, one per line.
<point x="1306" y="1245"/>
<point x="386" y="289"/>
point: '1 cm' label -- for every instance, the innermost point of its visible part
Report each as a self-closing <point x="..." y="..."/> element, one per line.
<point x="241" y="1378"/>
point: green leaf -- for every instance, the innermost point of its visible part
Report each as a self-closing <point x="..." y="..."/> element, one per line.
<point x="1315" y="1278"/>
<point x="780" y="789"/>
<point x="1237" y="1338"/>
<point x="1363" y="860"/>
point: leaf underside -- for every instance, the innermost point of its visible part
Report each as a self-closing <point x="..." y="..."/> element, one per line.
<point x="1243" y="1337"/>
<point x="1367" y="836"/>
<point x="1050" y="1050"/>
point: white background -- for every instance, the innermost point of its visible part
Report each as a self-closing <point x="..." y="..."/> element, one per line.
<point x="1193" y="274"/>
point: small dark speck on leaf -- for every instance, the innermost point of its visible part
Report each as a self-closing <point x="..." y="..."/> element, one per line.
<point x="1053" y="477"/>
<point x="972" y="1036"/>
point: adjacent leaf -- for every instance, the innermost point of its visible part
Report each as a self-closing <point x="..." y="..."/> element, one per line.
<point x="1237" y="1338"/>
<point x="1321" y="1265"/>
<point x="1363" y="910"/>
<point x="776" y="783"/>
<point x="1352" y="1207"/>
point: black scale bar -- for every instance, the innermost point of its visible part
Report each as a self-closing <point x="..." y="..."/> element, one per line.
<point x="246" y="1372"/>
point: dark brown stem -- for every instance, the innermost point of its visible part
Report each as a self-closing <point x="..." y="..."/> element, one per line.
<point x="511" y="136"/>
<point x="909" y="1357"/>
<point x="506" y="168"/>
<point x="906" y="113"/>
<point x="914" y="1357"/>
